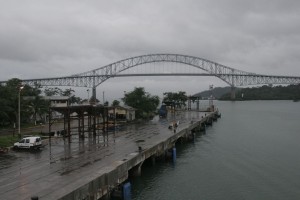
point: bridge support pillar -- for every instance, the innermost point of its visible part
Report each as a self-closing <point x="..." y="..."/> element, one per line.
<point x="93" y="99"/>
<point x="232" y="93"/>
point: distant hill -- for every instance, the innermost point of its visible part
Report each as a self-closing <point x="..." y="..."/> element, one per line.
<point x="290" y="92"/>
<point x="216" y="92"/>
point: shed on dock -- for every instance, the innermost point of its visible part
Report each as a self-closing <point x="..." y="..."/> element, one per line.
<point x="120" y="113"/>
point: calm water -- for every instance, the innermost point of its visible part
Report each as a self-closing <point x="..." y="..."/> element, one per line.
<point x="252" y="152"/>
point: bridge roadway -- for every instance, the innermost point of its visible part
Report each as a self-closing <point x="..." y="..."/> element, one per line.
<point x="90" y="167"/>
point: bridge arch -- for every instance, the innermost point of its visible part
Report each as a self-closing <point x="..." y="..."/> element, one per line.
<point x="231" y="76"/>
<point x="101" y="74"/>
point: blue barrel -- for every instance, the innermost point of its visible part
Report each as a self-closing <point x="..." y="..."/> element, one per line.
<point x="174" y="154"/>
<point x="127" y="191"/>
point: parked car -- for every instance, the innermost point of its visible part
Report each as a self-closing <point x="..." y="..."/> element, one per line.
<point x="29" y="143"/>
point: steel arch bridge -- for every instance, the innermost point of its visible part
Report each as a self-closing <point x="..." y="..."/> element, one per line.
<point x="231" y="76"/>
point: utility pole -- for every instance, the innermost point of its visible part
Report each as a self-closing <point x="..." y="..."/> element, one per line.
<point x="93" y="99"/>
<point x="19" y="110"/>
<point x="103" y="97"/>
<point x="88" y="91"/>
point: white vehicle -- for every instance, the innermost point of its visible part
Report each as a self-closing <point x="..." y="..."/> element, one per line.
<point x="29" y="143"/>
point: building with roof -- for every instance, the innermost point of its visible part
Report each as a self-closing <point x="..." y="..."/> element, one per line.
<point x="122" y="113"/>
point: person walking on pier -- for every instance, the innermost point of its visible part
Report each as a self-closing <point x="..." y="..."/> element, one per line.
<point x="175" y="125"/>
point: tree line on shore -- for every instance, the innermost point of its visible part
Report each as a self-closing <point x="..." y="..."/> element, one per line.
<point x="266" y="92"/>
<point x="34" y="106"/>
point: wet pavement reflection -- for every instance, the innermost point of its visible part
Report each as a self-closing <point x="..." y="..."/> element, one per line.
<point x="23" y="170"/>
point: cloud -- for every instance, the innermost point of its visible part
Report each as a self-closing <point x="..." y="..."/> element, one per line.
<point x="61" y="37"/>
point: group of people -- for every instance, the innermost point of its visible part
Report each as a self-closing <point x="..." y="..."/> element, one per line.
<point x="174" y="125"/>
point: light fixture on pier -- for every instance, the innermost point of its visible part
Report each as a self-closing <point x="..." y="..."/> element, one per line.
<point x="19" y="110"/>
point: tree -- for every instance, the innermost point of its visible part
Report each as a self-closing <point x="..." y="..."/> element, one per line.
<point x="39" y="107"/>
<point x="142" y="101"/>
<point x="115" y="103"/>
<point x="30" y="106"/>
<point x="290" y="92"/>
<point x="179" y="98"/>
<point x="33" y="104"/>
<point x="6" y="108"/>
<point x="67" y="92"/>
<point x="53" y="91"/>
<point x="9" y="98"/>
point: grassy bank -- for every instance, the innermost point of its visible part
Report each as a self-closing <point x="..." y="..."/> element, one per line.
<point x="7" y="141"/>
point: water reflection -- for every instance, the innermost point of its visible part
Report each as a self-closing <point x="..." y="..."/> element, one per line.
<point x="6" y="160"/>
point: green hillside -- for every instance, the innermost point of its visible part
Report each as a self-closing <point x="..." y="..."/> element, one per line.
<point x="290" y="92"/>
<point x="216" y="92"/>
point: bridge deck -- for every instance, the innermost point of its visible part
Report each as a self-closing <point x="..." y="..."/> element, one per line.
<point x="62" y="167"/>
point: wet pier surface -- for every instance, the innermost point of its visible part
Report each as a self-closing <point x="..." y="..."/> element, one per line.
<point x="62" y="167"/>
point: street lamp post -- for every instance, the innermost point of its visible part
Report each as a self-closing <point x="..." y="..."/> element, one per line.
<point x="88" y="91"/>
<point x="19" y="111"/>
<point x="103" y="97"/>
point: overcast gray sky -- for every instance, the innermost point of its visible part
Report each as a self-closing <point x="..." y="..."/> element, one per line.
<point x="57" y="37"/>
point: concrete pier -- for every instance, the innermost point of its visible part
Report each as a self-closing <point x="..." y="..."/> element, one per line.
<point x="91" y="168"/>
